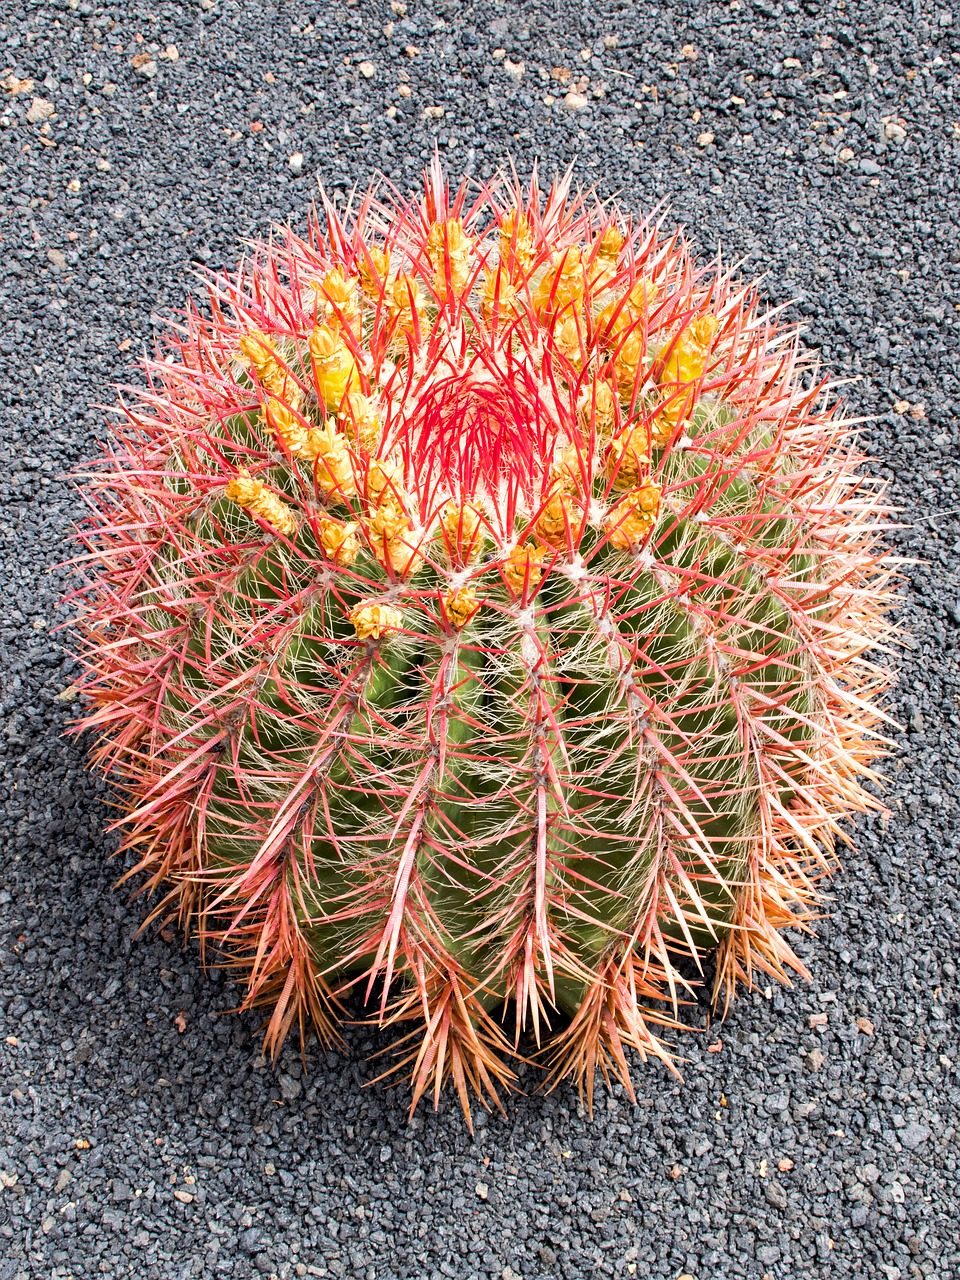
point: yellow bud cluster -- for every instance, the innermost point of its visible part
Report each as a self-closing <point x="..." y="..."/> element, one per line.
<point x="627" y="459"/>
<point x="448" y="238"/>
<point x="461" y="605"/>
<point x="339" y="541"/>
<point x="662" y="428"/>
<point x="688" y="355"/>
<point x="334" y="367"/>
<point x="634" y="516"/>
<point x="260" y="351"/>
<point x="372" y="621"/>
<point x="523" y="566"/>
<point x="562" y="285"/>
<point x="609" y="246"/>
<point x="461" y="527"/>
<point x="398" y="556"/>
<point x="256" y="499"/>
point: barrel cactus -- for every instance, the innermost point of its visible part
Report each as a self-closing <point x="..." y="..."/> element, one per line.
<point x="478" y="616"/>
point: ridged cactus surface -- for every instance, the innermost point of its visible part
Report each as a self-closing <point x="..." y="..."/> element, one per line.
<point x="477" y="617"/>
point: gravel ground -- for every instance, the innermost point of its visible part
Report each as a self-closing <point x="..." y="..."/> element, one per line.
<point x="142" y="1134"/>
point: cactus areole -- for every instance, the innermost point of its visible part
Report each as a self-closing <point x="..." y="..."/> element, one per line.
<point x="478" y="619"/>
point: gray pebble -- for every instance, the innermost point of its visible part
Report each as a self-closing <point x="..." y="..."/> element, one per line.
<point x="914" y="1136"/>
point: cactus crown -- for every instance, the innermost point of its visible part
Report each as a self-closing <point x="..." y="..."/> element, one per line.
<point x="480" y="606"/>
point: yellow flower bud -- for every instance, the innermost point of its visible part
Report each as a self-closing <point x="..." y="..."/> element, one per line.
<point x="516" y="241"/>
<point x="387" y="531"/>
<point x="571" y="473"/>
<point x="461" y="605"/>
<point x="629" y="522"/>
<point x="627" y="459"/>
<point x="461" y="527"/>
<point x="311" y="443"/>
<point x="609" y="246"/>
<point x="286" y="426"/>
<point x="562" y="284"/>
<point x="596" y="405"/>
<point x="685" y="363"/>
<point x="334" y="367"/>
<point x="389" y="542"/>
<point x="339" y="541"/>
<point x="523" y="566"/>
<point x="332" y="462"/>
<point x="388" y="523"/>
<point x="402" y="559"/>
<point x="256" y="499"/>
<point x="627" y="362"/>
<point x="257" y="348"/>
<point x="619" y="315"/>
<point x="603" y="268"/>
<point x="360" y="421"/>
<point x="688" y="354"/>
<point x="499" y="295"/>
<point x="384" y="485"/>
<point x="663" y="426"/>
<point x="447" y="238"/>
<point x="339" y="301"/>
<point x="374" y="268"/>
<point x="373" y="621"/>
<point x="643" y="295"/>
<point x="558" y="514"/>
<point x="704" y="329"/>
<point x="459" y="278"/>
<point x="567" y="340"/>
<point x="405" y="300"/>
<point x="449" y="249"/>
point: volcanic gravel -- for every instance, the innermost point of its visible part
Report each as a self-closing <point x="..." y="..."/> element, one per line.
<point x="142" y="1134"/>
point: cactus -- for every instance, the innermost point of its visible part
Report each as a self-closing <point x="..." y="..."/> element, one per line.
<point x="478" y="615"/>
